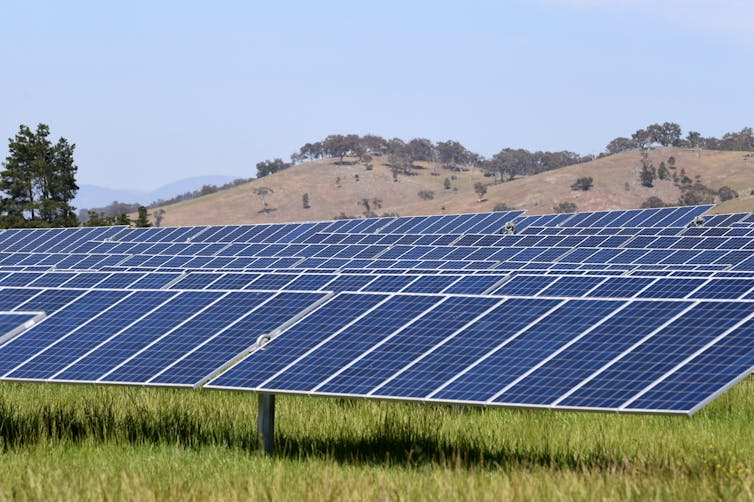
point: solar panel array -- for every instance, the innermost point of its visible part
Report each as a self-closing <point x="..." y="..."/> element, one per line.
<point x="636" y="311"/>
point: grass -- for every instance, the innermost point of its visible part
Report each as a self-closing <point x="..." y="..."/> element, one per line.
<point x="81" y="442"/>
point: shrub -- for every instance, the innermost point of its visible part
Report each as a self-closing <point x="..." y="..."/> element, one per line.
<point x="584" y="183"/>
<point x="564" y="207"/>
<point x="652" y="202"/>
<point x="426" y="194"/>
<point x="726" y="193"/>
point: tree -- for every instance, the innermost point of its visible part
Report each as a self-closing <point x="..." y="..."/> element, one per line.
<point x="647" y="175"/>
<point x="696" y="194"/>
<point x="262" y="193"/>
<point x="481" y="190"/>
<point x="158" y="216"/>
<point x="726" y="193"/>
<point x="643" y="138"/>
<point x="122" y="219"/>
<point x="584" y="183"/>
<point x="305" y="201"/>
<point x="453" y="155"/>
<point x="695" y="140"/>
<point x="142" y="219"/>
<point x="620" y="144"/>
<point x="420" y="149"/>
<point x="38" y="180"/>
<point x="267" y="167"/>
<point x="446" y="183"/>
<point x="662" y="172"/>
<point x="670" y="134"/>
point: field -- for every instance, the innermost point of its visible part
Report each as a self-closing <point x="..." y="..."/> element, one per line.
<point x="82" y="442"/>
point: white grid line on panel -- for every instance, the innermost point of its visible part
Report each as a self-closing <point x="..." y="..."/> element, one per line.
<point x="381" y="343"/>
<point x="168" y="332"/>
<point x="558" y="351"/>
<point x="623" y="354"/>
<point x="273" y="334"/>
<point x="117" y="333"/>
<point x="324" y="341"/>
<point x="685" y="361"/>
<point x="66" y="335"/>
<point x="492" y="351"/>
<point x="433" y="348"/>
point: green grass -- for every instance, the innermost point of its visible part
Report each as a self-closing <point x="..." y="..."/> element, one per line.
<point x="81" y="442"/>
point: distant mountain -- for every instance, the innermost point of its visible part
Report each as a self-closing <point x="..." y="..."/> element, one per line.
<point x="91" y="196"/>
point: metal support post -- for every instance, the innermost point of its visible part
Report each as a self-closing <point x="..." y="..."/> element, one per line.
<point x="266" y="423"/>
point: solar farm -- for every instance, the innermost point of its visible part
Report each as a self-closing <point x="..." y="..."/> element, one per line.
<point x="502" y="316"/>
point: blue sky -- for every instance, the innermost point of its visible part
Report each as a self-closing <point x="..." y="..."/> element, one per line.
<point x="152" y="92"/>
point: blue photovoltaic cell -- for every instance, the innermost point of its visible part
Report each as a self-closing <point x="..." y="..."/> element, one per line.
<point x="178" y="342"/>
<point x="51" y="280"/>
<point x="196" y="281"/>
<point x="54" y="326"/>
<point x="309" y="282"/>
<point x="509" y="362"/>
<point x="272" y="282"/>
<point x="708" y="373"/>
<point x="627" y="376"/>
<point x="587" y="355"/>
<point x="524" y="285"/>
<point x="474" y="284"/>
<point x="19" y="279"/>
<point x="572" y="286"/>
<point x="724" y="288"/>
<point x="351" y="342"/>
<point x="298" y="339"/>
<point x="86" y="280"/>
<point x="136" y="336"/>
<point x="234" y="341"/>
<point x="154" y="280"/>
<point x="431" y="284"/>
<point x="11" y="298"/>
<point x="10" y="321"/>
<point x="120" y="280"/>
<point x="349" y="282"/>
<point x="389" y="283"/>
<point x="667" y="287"/>
<point x="408" y="344"/>
<point x="87" y="336"/>
<point x="427" y="373"/>
<point x="233" y="281"/>
<point x="51" y="300"/>
<point x="621" y="287"/>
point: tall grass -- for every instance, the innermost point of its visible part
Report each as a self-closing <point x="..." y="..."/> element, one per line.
<point x="65" y="442"/>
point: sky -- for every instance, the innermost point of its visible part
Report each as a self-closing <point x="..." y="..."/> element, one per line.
<point x="153" y="92"/>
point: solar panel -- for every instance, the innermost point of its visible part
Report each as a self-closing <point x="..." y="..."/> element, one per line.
<point x="168" y="308"/>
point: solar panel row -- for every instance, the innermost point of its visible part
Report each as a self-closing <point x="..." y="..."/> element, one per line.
<point x="565" y="314"/>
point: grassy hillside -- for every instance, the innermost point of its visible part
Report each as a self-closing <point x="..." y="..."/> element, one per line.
<point x="334" y="189"/>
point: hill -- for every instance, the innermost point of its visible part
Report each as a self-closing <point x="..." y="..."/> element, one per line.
<point x="338" y="189"/>
<point x="91" y="196"/>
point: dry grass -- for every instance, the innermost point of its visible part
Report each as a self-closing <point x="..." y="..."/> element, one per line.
<point x="616" y="186"/>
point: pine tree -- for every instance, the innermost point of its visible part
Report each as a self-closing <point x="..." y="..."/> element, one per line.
<point x="39" y="180"/>
<point x="122" y="219"/>
<point x="143" y="219"/>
